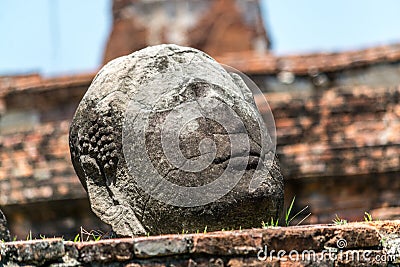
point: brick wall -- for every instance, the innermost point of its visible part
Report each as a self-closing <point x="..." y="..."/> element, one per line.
<point x="353" y="244"/>
<point x="339" y="149"/>
<point x="338" y="132"/>
<point x="35" y="162"/>
<point x="39" y="191"/>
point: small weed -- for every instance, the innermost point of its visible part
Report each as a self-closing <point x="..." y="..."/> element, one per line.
<point x="289" y="219"/>
<point x="96" y="238"/>
<point x="339" y="221"/>
<point x="272" y="223"/>
<point x="228" y="229"/>
<point x="84" y="235"/>
<point x="383" y="241"/>
<point x="94" y="235"/>
<point x="368" y="217"/>
<point x="77" y="238"/>
<point x="29" y="236"/>
<point x="198" y="231"/>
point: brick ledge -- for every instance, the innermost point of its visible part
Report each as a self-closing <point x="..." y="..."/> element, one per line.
<point x="335" y="245"/>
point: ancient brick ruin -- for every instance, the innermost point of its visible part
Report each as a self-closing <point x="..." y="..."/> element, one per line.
<point x="215" y="27"/>
<point x="337" y="145"/>
<point x="337" y="118"/>
<point x="39" y="188"/>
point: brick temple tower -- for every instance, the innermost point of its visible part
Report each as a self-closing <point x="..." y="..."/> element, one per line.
<point x="214" y="26"/>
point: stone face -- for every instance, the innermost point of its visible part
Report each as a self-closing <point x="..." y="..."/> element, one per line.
<point x="167" y="140"/>
<point x="4" y="233"/>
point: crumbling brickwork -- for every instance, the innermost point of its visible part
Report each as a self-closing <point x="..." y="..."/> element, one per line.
<point x="355" y="244"/>
<point x="338" y="132"/>
<point x="39" y="191"/>
<point x="213" y="26"/>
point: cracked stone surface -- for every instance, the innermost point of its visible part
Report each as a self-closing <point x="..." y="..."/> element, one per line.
<point x="4" y="232"/>
<point x="170" y="83"/>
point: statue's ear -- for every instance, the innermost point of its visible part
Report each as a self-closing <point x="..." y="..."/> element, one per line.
<point x="75" y="155"/>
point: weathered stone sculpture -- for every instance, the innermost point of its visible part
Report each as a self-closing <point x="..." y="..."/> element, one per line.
<point x="166" y="140"/>
<point x="4" y="233"/>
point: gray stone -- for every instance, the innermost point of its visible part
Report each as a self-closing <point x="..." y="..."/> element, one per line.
<point x="162" y="246"/>
<point x="4" y="232"/>
<point x="166" y="140"/>
<point x="33" y="252"/>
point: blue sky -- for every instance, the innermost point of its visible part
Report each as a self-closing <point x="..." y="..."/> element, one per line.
<point x="317" y="25"/>
<point x="55" y="37"/>
<point x="52" y="36"/>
